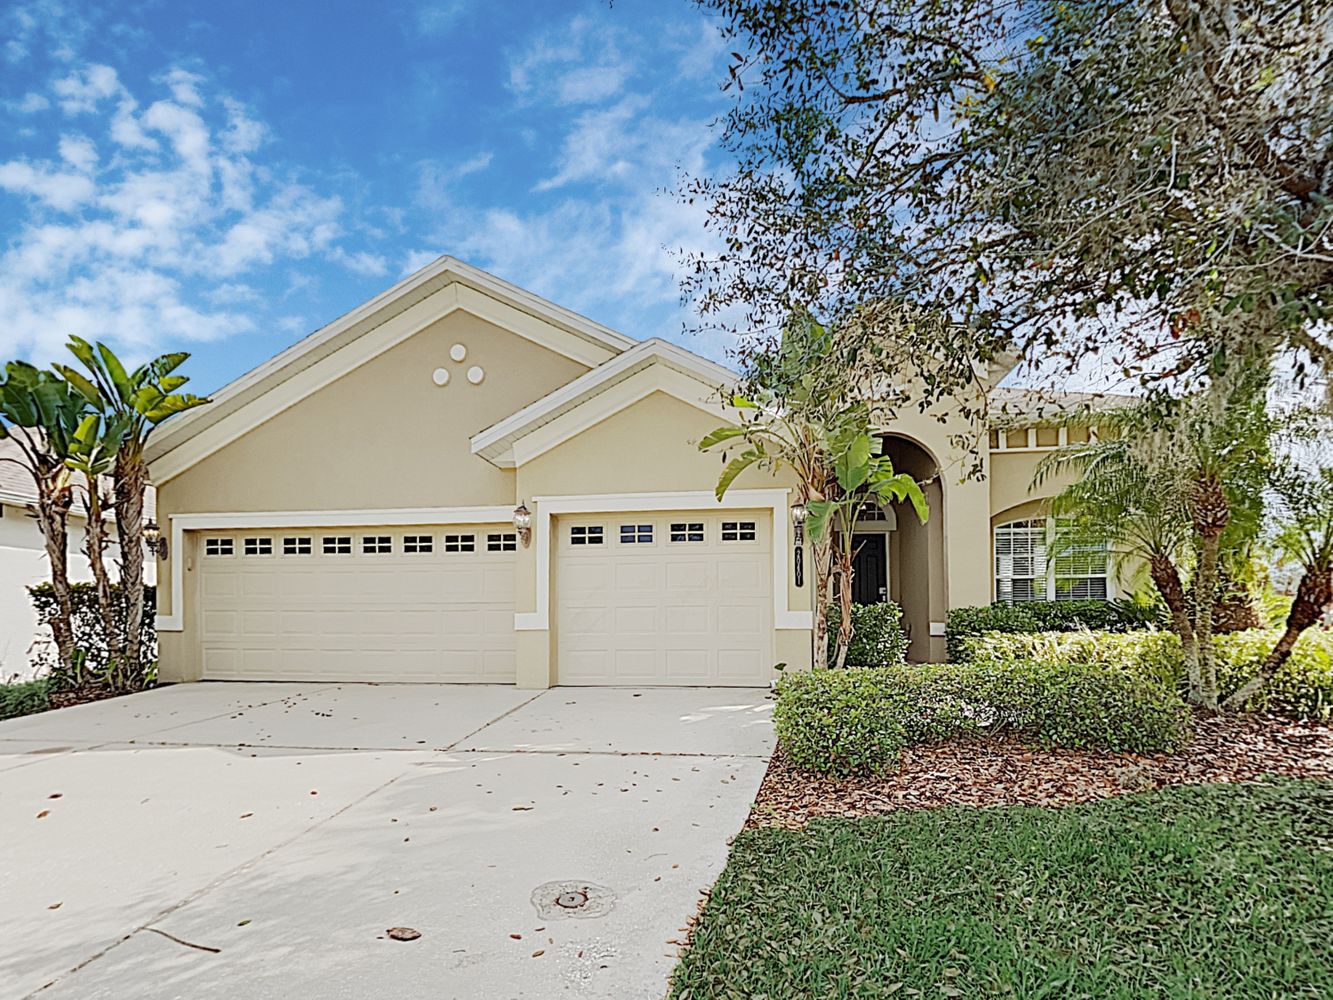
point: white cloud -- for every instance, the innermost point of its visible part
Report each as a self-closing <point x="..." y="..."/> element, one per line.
<point x="580" y="63"/>
<point x="29" y="104"/>
<point x="151" y="224"/>
<point x="416" y="260"/>
<point x="435" y="17"/>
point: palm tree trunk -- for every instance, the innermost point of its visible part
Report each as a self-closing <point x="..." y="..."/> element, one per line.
<point x="1205" y="591"/>
<point x="95" y="543"/>
<point x="844" y="604"/>
<point x="1166" y="578"/>
<point x="1314" y="595"/>
<point x="130" y="483"/>
<point x="53" y="503"/>
<point x="821" y="554"/>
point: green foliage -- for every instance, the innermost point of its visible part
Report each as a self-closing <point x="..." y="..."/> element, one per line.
<point x="90" y="639"/>
<point x="878" y="639"/>
<point x="1302" y="688"/>
<point x="1046" y="616"/>
<point x="1118" y="899"/>
<point x="24" y="698"/>
<point x="837" y="722"/>
<point x="845" y="721"/>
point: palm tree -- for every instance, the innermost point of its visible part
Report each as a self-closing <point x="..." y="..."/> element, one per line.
<point x="41" y="413"/>
<point x="137" y="402"/>
<point x="1179" y="482"/>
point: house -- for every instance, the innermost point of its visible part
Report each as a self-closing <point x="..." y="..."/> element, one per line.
<point x="461" y="481"/>
<point x="23" y="563"/>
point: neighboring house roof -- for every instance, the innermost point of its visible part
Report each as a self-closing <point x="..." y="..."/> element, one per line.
<point x="1012" y="405"/>
<point x="352" y="339"/>
<point x="17" y="488"/>
<point x="645" y="368"/>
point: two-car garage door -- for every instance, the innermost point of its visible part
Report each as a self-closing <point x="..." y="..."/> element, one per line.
<point x="428" y="603"/>
<point x="643" y="598"/>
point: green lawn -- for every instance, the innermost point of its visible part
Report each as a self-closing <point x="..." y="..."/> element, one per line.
<point x="1214" y="891"/>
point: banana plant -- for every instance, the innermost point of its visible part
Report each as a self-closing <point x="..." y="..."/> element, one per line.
<point x="92" y="453"/>
<point x="803" y="413"/>
<point x="41" y="414"/>
<point x="135" y="402"/>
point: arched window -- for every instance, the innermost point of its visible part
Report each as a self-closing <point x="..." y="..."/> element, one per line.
<point x="1026" y="570"/>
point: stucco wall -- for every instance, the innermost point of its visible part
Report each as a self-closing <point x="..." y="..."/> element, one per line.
<point x="382" y="436"/>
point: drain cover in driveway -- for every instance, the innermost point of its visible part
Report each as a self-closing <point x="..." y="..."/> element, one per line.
<point x="572" y="899"/>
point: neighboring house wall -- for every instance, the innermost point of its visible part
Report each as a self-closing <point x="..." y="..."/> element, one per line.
<point x="23" y="563"/>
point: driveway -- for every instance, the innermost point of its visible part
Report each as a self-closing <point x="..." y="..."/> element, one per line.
<point x="256" y="840"/>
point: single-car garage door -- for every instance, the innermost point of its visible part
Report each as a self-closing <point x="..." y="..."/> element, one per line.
<point x="665" y="598"/>
<point x="429" y="603"/>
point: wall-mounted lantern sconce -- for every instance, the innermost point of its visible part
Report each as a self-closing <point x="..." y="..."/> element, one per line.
<point x="798" y="516"/>
<point x="153" y="540"/>
<point x="523" y="524"/>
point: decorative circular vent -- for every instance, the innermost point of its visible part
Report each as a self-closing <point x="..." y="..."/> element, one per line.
<point x="458" y="352"/>
<point x="440" y="376"/>
<point x="475" y="374"/>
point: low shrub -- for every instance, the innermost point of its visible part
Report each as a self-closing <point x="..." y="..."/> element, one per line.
<point x="24" y="698"/>
<point x="837" y="722"/>
<point x="90" y="639"/>
<point x="1047" y="616"/>
<point x="856" y="721"/>
<point x="878" y="639"/>
<point x="1302" y="688"/>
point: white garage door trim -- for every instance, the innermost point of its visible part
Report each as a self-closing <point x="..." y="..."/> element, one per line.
<point x="773" y="501"/>
<point x="398" y="516"/>
<point x="416" y="603"/>
<point x="677" y="598"/>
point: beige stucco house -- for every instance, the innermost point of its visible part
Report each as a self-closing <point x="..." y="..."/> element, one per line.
<point x="347" y="511"/>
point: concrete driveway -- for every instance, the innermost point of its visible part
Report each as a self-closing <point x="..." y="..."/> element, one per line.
<point x="256" y="840"/>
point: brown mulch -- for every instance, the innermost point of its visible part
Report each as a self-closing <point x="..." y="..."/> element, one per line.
<point x="83" y="695"/>
<point x="998" y="771"/>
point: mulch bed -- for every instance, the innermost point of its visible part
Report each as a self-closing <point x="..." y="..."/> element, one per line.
<point x="1000" y="771"/>
<point x="83" y="695"/>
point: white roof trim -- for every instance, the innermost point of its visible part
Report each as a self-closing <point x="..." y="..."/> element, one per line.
<point x="586" y="341"/>
<point x="496" y="443"/>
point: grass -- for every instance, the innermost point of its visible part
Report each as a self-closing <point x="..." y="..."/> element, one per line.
<point x="1207" y="891"/>
<point x="24" y="698"/>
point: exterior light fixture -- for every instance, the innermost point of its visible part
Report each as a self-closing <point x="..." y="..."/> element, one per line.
<point x="153" y="540"/>
<point x="523" y="523"/>
<point x="798" y="516"/>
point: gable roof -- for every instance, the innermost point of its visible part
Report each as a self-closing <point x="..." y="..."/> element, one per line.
<point x="653" y="363"/>
<point x="439" y="288"/>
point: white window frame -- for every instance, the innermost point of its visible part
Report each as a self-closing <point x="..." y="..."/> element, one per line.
<point x="1045" y="573"/>
<point x="741" y="532"/>
<point x="336" y="545"/>
<point x="298" y="545"/>
<point x="258" y="546"/>
<point x="587" y="534"/>
<point x="376" y="545"/>
<point x="637" y="533"/>
<point x="503" y="541"/>
<point x="687" y="530"/>
<point x="460" y="543"/>
<point x="418" y="545"/>
<point x="217" y="546"/>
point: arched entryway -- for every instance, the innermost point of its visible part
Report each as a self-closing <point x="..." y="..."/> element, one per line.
<point x="900" y="559"/>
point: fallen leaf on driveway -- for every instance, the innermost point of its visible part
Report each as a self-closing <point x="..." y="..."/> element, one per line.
<point x="55" y="906"/>
<point x="539" y="953"/>
<point x="403" y="933"/>
<point x="43" y="813"/>
<point x="522" y="808"/>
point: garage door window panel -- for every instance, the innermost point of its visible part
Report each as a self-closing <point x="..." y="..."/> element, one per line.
<point x="687" y="531"/>
<point x="636" y="534"/>
<point x="337" y="545"/>
<point x="376" y="545"/>
<point x="418" y="544"/>
<point x="259" y="546"/>
<point x="586" y="534"/>
<point x="503" y="542"/>
<point x="460" y="543"/>
<point x="300" y="546"/>
<point x="219" y="547"/>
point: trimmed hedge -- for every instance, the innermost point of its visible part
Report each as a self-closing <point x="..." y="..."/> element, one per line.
<point x="878" y="639"/>
<point x="90" y="637"/>
<point x="1047" y="616"/>
<point x="1302" y="688"/>
<point x="857" y="721"/>
<point x="24" y="698"/>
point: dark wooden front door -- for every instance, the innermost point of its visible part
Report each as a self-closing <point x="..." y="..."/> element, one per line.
<point x="868" y="570"/>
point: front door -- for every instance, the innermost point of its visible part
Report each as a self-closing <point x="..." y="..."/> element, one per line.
<point x="869" y="579"/>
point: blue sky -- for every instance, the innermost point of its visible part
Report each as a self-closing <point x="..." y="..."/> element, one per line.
<point x="226" y="177"/>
